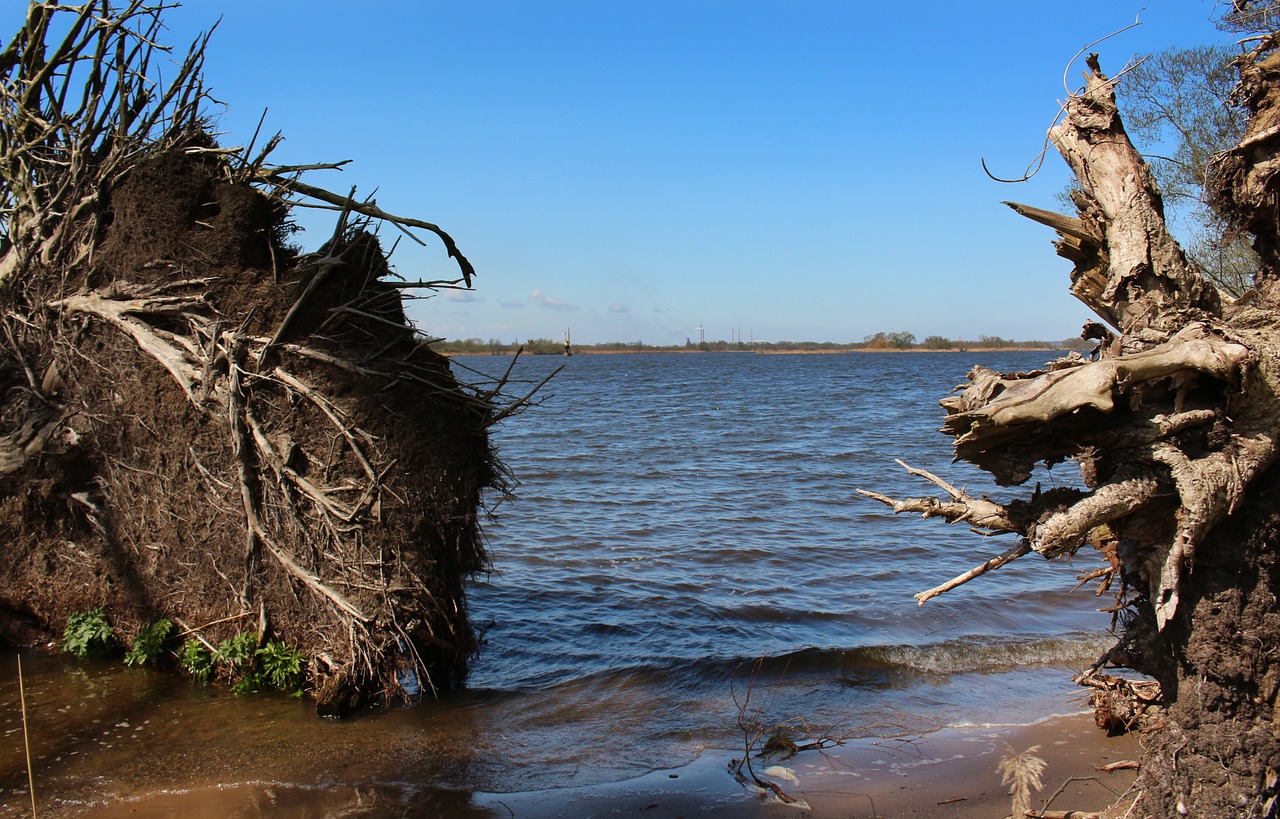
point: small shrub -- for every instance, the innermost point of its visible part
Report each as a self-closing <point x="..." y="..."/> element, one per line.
<point x="88" y="635"/>
<point x="197" y="659"/>
<point x="281" y="666"/>
<point x="236" y="654"/>
<point x="237" y="658"/>
<point x="149" y="643"/>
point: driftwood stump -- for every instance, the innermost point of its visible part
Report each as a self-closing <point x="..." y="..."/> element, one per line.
<point x="1174" y="423"/>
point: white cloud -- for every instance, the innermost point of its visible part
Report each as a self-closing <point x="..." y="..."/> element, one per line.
<point x="460" y="296"/>
<point x="618" y="307"/>
<point x="550" y="302"/>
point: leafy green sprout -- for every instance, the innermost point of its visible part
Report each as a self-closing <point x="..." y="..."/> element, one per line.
<point x="196" y="659"/>
<point x="236" y="657"/>
<point x="281" y="666"/>
<point x="149" y="643"/>
<point x="237" y="654"/>
<point x="88" y="635"/>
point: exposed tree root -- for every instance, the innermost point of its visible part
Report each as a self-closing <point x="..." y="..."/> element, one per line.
<point x="1125" y="417"/>
<point x="1175" y="427"/>
<point x="217" y="422"/>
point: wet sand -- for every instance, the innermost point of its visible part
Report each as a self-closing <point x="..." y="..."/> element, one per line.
<point x="948" y="774"/>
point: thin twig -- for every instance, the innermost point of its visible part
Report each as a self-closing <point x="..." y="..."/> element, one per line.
<point x="524" y="401"/>
<point x="185" y="630"/>
<point x="26" y="739"/>
<point x="371" y="210"/>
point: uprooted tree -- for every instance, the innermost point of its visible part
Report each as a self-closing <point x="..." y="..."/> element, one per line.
<point x="198" y="421"/>
<point x="1174" y="423"/>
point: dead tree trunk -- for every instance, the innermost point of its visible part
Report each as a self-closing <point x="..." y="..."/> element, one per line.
<point x="1174" y="424"/>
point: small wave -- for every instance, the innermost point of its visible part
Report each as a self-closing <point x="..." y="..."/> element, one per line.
<point x="1043" y="719"/>
<point x="978" y="654"/>
<point x="982" y="654"/>
<point x="872" y="666"/>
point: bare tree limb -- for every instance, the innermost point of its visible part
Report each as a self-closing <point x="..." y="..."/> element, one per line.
<point x="370" y="209"/>
<point x="977" y="571"/>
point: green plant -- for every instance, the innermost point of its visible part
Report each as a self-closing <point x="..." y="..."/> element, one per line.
<point x="196" y="659"/>
<point x="237" y="654"/>
<point x="247" y="684"/>
<point x="88" y="635"/>
<point x="149" y="643"/>
<point x="281" y="666"/>
<point x="237" y="657"/>
<point x="244" y="665"/>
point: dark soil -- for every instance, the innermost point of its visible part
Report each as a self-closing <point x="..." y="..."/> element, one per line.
<point x="136" y="502"/>
<point x="1219" y="747"/>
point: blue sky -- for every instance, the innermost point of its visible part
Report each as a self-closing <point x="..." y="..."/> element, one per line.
<point x="801" y="170"/>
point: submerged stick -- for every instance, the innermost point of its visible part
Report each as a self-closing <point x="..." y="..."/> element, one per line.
<point x="994" y="563"/>
<point x="26" y="740"/>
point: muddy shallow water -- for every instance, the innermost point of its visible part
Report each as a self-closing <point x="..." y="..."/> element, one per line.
<point x="101" y="734"/>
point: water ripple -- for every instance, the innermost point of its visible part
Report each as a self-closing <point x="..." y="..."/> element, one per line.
<point x="697" y="509"/>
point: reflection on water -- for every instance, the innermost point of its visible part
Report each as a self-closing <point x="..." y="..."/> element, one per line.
<point x="101" y="733"/>
<point x="679" y="517"/>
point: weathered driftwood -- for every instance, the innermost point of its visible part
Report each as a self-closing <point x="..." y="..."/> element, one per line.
<point x="1178" y="366"/>
<point x="1119" y="703"/>
<point x="1174" y="423"/>
<point x="977" y="571"/>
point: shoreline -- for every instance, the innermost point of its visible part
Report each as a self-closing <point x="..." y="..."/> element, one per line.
<point x="946" y="774"/>
<point x="835" y="351"/>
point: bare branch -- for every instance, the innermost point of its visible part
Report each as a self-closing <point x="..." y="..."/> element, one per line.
<point x="371" y="210"/>
<point x="977" y="571"/>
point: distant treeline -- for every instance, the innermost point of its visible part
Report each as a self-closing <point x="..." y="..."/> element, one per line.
<point x="877" y="341"/>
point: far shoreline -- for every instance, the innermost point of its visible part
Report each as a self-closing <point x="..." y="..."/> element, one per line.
<point x="798" y="351"/>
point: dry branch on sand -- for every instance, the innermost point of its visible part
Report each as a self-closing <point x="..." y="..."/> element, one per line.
<point x="214" y="422"/>
<point x="1174" y="424"/>
<point x="767" y="742"/>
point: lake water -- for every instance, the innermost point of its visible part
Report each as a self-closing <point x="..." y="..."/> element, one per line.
<point x="677" y="518"/>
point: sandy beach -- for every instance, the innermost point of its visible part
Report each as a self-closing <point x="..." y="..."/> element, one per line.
<point x="949" y="774"/>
